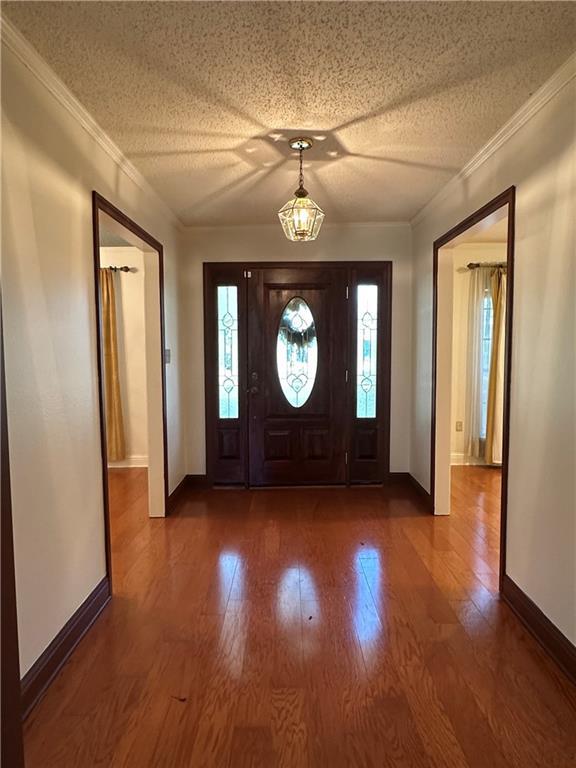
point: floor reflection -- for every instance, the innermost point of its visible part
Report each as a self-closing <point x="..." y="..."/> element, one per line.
<point x="288" y="599"/>
<point x="230" y="572"/>
<point x="308" y="591"/>
<point x="297" y="601"/>
<point x="231" y="579"/>
<point x="311" y="611"/>
<point x="298" y="606"/>
<point x="367" y="598"/>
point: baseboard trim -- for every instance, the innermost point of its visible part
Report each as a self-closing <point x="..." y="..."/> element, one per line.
<point x="128" y="462"/>
<point x="188" y="482"/>
<point x="460" y="460"/>
<point x="422" y="492"/>
<point x="36" y="681"/>
<point x="554" y="642"/>
<point x="198" y="481"/>
<point x="399" y="477"/>
<point x="177" y="494"/>
<point x="406" y="477"/>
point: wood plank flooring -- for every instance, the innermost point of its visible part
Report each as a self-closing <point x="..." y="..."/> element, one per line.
<point x="319" y="628"/>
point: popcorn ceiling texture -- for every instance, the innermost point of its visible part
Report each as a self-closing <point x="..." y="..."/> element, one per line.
<point x="404" y="92"/>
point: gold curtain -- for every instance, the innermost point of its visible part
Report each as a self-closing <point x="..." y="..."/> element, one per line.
<point x="474" y="426"/>
<point x="493" y="451"/>
<point x="116" y="445"/>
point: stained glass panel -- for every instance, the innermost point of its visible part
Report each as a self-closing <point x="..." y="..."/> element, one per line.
<point x="366" y="342"/>
<point x="228" y="381"/>
<point x="297" y="352"/>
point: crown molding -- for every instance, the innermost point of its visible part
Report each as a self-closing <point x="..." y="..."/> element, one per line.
<point x="31" y="59"/>
<point x="539" y="99"/>
<point x="27" y="54"/>
<point x="326" y="225"/>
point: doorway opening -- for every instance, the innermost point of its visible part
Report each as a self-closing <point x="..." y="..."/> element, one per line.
<point x="297" y="362"/>
<point x="472" y="335"/>
<point x="130" y="333"/>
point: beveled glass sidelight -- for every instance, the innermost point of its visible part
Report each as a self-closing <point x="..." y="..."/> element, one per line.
<point x="297" y="352"/>
<point x="228" y="378"/>
<point x="366" y="350"/>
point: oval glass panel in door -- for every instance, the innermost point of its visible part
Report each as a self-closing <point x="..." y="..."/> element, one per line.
<point x="297" y="352"/>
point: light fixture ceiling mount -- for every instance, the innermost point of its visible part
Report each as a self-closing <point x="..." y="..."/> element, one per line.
<point x="300" y="217"/>
<point x="300" y="143"/>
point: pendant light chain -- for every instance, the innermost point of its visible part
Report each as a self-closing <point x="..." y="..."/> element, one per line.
<point x="301" y="217"/>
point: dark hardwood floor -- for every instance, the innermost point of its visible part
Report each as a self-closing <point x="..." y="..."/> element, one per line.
<point x="475" y="497"/>
<point x="321" y="628"/>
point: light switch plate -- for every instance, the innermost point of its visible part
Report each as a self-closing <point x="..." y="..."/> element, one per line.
<point x="458" y="426"/>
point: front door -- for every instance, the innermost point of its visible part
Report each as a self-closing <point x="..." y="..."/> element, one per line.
<point x="297" y="364"/>
<point x="297" y="335"/>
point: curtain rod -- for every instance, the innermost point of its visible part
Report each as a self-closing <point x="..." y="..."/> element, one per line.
<point x="120" y="269"/>
<point x="477" y="264"/>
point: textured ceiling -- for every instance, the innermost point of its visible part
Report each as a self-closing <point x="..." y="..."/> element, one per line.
<point x="201" y="96"/>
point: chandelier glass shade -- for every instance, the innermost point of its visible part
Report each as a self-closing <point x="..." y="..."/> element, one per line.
<point x="301" y="217"/>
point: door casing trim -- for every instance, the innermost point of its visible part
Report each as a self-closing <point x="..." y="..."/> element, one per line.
<point x="386" y="342"/>
<point x="506" y="198"/>
<point x="100" y="204"/>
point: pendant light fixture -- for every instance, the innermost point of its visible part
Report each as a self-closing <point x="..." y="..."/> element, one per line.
<point x="300" y="217"/>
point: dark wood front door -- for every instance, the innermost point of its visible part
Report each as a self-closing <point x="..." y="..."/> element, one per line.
<point x="297" y="342"/>
<point x="297" y="361"/>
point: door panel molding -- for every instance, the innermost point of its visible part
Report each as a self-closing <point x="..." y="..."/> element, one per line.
<point x="323" y="290"/>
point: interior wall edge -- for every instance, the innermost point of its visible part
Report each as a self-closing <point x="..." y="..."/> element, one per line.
<point x="539" y="161"/>
<point x="51" y="166"/>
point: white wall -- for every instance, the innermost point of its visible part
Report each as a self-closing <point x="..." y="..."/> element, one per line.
<point x="540" y="159"/>
<point x="461" y="256"/>
<point x="335" y="243"/>
<point x="51" y="164"/>
<point x="154" y="363"/>
<point x="443" y="382"/>
<point x="131" y="334"/>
